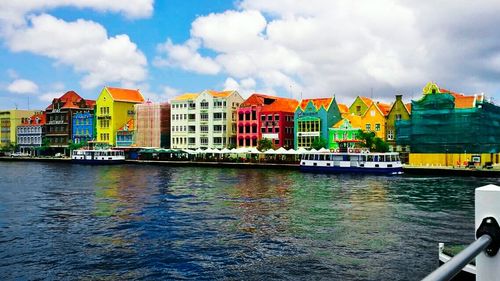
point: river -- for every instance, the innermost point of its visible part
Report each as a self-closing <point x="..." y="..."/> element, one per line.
<point x="145" y="222"/>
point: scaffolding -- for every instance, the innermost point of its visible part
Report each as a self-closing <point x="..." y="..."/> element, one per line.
<point x="438" y="126"/>
<point x="148" y="124"/>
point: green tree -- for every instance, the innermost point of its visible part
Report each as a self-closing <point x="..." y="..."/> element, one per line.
<point x="265" y="144"/>
<point x="73" y="146"/>
<point x="372" y="142"/>
<point x="319" y="143"/>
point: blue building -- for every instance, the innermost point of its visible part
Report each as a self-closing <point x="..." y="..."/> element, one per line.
<point x="83" y="127"/>
<point x="312" y="118"/>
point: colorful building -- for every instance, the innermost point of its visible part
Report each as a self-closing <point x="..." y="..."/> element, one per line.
<point x="204" y="120"/>
<point x="83" y="126"/>
<point x="313" y="118"/>
<point x="148" y="124"/>
<point x="262" y="116"/>
<point x="450" y="129"/>
<point x="59" y="125"/>
<point x="9" y="120"/>
<point x="114" y="108"/>
<point x="360" y="106"/>
<point x="125" y="134"/>
<point x="399" y="111"/>
<point x="374" y="119"/>
<point x="30" y="134"/>
<point x="344" y="134"/>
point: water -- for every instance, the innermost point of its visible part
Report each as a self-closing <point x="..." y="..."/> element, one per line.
<point x="131" y="222"/>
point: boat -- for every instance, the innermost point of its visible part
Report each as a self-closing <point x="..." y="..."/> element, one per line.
<point x="97" y="153"/>
<point x="98" y="156"/>
<point x="445" y="254"/>
<point x="351" y="161"/>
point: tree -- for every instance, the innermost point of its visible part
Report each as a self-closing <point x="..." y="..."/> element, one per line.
<point x="372" y="142"/>
<point x="319" y="143"/>
<point x="265" y="144"/>
<point x="74" y="146"/>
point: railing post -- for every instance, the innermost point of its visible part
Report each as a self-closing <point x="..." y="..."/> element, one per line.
<point x="487" y="202"/>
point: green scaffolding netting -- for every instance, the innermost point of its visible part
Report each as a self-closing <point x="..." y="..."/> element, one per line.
<point x="436" y="126"/>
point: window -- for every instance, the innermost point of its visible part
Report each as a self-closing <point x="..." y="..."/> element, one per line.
<point x="263" y="118"/>
<point x="254" y="114"/>
<point x="240" y="117"/>
<point x="217" y="116"/>
<point x="372" y="112"/>
<point x="241" y="129"/>
<point x="217" y="128"/>
<point x="204" y="104"/>
<point x="377" y="127"/>
<point x="358" y="108"/>
<point x="398" y="117"/>
<point x="390" y="134"/>
<point x="368" y="127"/>
<point x="218" y="140"/>
<point x="204" y="141"/>
<point x="269" y="117"/>
<point x="241" y="142"/>
<point x="276" y="117"/>
<point x="204" y="116"/>
<point x="204" y="128"/>
<point x="277" y="129"/>
<point x="247" y="116"/>
<point x="263" y="129"/>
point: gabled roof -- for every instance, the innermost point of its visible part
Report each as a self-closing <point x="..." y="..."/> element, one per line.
<point x="256" y="99"/>
<point x="355" y="121"/>
<point x="125" y="95"/>
<point x="130" y="124"/>
<point x="408" y="107"/>
<point x="186" y="96"/>
<point x="41" y="116"/>
<point x="325" y="102"/>
<point x="70" y="99"/>
<point x="367" y="101"/>
<point x="281" y="105"/>
<point x="343" y="108"/>
<point x="383" y="107"/>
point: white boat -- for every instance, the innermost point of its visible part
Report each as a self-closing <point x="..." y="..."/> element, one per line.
<point x="97" y="156"/>
<point x="353" y="161"/>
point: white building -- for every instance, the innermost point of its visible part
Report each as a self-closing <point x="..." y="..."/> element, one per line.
<point x="30" y="134"/>
<point x="204" y="120"/>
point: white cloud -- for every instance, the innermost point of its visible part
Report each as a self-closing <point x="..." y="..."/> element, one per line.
<point x="85" y="46"/>
<point x="323" y="47"/>
<point x="185" y="56"/>
<point x="49" y="96"/>
<point x="22" y="86"/>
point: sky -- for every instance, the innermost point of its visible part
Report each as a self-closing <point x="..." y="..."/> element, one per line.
<point x="290" y="48"/>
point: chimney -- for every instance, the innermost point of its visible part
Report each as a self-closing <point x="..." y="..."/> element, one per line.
<point x="399" y="97"/>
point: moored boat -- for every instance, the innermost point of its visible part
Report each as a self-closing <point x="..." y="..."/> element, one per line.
<point x="353" y="161"/>
<point x="97" y="156"/>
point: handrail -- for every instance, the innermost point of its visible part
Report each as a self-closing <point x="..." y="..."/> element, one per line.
<point x="455" y="265"/>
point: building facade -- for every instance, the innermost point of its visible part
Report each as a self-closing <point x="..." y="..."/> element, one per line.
<point x="313" y="118"/>
<point x="205" y="120"/>
<point x="59" y="119"/>
<point x="83" y="126"/>
<point x="30" y="134"/>
<point x="360" y="106"/>
<point x="399" y="111"/>
<point x="374" y="119"/>
<point x="114" y="108"/>
<point x="9" y="120"/>
<point x="125" y="134"/>
<point x="344" y="134"/>
<point x="266" y="117"/>
<point x="149" y="129"/>
<point x="451" y="129"/>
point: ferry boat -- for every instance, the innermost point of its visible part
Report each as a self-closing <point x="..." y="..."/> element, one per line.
<point x="352" y="161"/>
<point x="97" y="156"/>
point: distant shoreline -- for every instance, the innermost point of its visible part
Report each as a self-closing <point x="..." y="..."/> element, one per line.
<point x="411" y="170"/>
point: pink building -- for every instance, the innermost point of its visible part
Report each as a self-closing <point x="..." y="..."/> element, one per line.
<point x="263" y="116"/>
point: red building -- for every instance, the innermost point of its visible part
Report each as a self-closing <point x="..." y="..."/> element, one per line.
<point x="263" y="116"/>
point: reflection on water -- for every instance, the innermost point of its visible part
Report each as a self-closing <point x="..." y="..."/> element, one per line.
<point x="146" y="222"/>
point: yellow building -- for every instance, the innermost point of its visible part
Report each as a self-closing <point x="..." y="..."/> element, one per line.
<point x="374" y="119"/>
<point x="9" y="120"/>
<point x="114" y="107"/>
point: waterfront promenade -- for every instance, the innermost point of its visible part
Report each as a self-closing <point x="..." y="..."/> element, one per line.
<point x="417" y="170"/>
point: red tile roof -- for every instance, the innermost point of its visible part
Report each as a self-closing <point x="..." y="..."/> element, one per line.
<point x="126" y="95"/>
<point x="325" y="102"/>
<point x="40" y="116"/>
<point x="71" y="99"/>
<point x="461" y="100"/>
<point x="256" y="99"/>
<point x="281" y="105"/>
<point x="408" y="107"/>
<point x="343" y="108"/>
<point x="367" y="101"/>
<point x="130" y="125"/>
<point x="383" y="107"/>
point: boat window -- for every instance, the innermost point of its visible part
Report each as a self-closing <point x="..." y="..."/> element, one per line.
<point x="397" y="158"/>
<point x="328" y="157"/>
<point x="322" y="157"/>
<point x="316" y="157"/>
<point x="376" y="158"/>
<point x="363" y="158"/>
<point x="370" y="158"/>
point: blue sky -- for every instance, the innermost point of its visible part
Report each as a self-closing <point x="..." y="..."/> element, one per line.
<point x="313" y="48"/>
